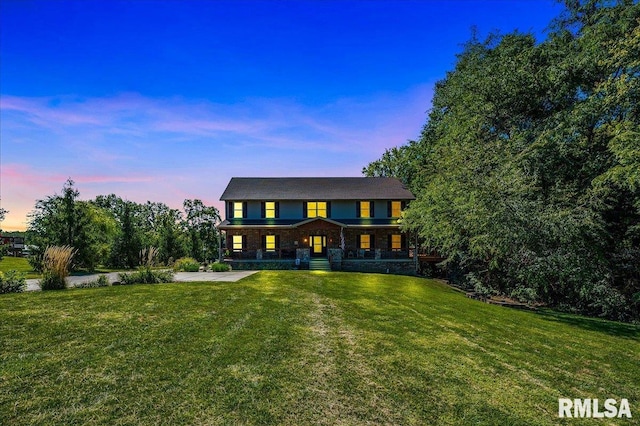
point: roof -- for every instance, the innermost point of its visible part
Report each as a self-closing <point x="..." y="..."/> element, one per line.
<point x="316" y="188"/>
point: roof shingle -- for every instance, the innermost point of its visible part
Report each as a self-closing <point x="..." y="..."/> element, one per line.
<point x="315" y="188"/>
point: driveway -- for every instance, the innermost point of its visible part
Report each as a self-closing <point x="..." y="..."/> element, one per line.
<point x="233" y="276"/>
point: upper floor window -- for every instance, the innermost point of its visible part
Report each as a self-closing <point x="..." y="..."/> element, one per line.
<point x="238" y="209"/>
<point x="270" y="210"/>
<point x="317" y="209"/>
<point x="364" y="209"/>
<point x="395" y="208"/>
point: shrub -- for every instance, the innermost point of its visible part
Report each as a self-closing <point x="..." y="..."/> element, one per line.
<point x="52" y="282"/>
<point x="219" y="267"/>
<point x="55" y="267"/>
<point x="101" y="281"/>
<point x="146" y="276"/>
<point x="186" y="264"/>
<point x="12" y="282"/>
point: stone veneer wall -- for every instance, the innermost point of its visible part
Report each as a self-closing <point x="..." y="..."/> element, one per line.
<point x="398" y="267"/>
<point x="390" y="266"/>
<point x="258" y="265"/>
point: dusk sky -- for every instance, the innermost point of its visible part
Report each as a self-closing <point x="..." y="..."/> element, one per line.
<point x="167" y="100"/>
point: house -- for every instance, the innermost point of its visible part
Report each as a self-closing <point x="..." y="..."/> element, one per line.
<point x="352" y="222"/>
<point x="14" y="245"/>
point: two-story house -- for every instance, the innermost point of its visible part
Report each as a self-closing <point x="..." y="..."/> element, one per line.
<point x="301" y="218"/>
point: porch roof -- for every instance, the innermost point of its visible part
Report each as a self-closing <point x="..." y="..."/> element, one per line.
<point x="294" y="223"/>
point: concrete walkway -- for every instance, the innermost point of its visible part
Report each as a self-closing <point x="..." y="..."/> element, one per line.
<point x="233" y="276"/>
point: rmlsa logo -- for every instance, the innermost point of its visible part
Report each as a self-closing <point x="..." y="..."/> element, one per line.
<point x="591" y="408"/>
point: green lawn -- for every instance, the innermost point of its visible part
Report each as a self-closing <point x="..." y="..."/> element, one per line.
<point x="301" y="348"/>
<point x="20" y="264"/>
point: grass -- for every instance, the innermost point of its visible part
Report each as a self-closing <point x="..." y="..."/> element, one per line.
<point x="20" y="264"/>
<point x="301" y="348"/>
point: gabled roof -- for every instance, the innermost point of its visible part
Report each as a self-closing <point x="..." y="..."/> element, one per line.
<point x="315" y="188"/>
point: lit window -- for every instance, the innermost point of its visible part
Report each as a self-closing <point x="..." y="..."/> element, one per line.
<point x="365" y="241"/>
<point x="237" y="243"/>
<point x="317" y="209"/>
<point x="238" y="209"/>
<point x="270" y="242"/>
<point x="396" y="208"/>
<point x="396" y="242"/>
<point x="365" y="208"/>
<point x="270" y="210"/>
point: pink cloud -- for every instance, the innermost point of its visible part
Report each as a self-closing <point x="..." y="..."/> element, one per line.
<point x="167" y="150"/>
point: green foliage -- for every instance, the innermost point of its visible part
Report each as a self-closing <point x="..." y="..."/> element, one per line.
<point x="200" y="225"/>
<point x="219" y="267"/>
<point x="112" y="231"/>
<point x="186" y="264"/>
<point x="50" y="281"/>
<point x="12" y="282"/>
<point x="526" y="172"/>
<point x="101" y="281"/>
<point x="60" y="220"/>
<point x="146" y="276"/>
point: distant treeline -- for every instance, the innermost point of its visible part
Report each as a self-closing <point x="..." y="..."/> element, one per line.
<point x="527" y="171"/>
<point x="110" y="231"/>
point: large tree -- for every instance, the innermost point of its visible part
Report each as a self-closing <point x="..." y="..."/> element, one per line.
<point x="200" y="223"/>
<point x="526" y="172"/>
<point x="60" y="220"/>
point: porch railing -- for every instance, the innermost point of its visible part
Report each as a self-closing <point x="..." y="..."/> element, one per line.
<point x="353" y="253"/>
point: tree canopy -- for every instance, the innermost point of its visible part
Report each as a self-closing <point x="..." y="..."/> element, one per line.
<point x="527" y="171"/>
<point x="111" y="231"/>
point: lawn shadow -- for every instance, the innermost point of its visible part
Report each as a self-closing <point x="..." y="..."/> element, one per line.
<point x="613" y="328"/>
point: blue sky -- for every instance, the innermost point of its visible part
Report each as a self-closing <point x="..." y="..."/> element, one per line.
<point x="167" y="100"/>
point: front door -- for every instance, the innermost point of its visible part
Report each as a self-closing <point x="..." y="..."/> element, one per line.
<point x="318" y="245"/>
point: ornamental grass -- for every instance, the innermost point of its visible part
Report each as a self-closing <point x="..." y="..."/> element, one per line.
<point x="56" y="263"/>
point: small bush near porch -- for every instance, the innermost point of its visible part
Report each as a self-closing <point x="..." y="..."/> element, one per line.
<point x="301" y="348"/>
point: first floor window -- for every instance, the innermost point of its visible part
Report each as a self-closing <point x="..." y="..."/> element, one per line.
<point x="365" y="242"/>
<point x="238" y="242"/>
<point x="396" y="242"/>
<point x="270" y="242"/>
